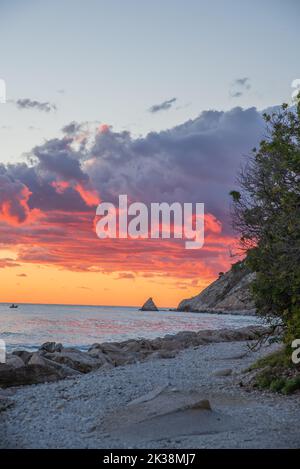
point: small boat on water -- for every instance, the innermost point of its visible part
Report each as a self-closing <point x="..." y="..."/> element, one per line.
<point x="13" y="306"/>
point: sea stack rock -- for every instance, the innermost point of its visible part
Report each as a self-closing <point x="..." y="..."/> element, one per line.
<point x="149" y="306"/>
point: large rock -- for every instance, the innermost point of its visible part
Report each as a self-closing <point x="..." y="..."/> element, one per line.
<point x="23" y="354"/>
<point x="14" y="361"/>
<point x="38" y="370"/>
<point x="166" y="414"/>
<point x="51" y="347"/>
<point x="38" y="359"/>
<point x="149" y="305"/>
<point x="229" y="293"/>
<point x="29" y="374"/>
<point x="113" y="354"/>
<point x="73" y="358"/>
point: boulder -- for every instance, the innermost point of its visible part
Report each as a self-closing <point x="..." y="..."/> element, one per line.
<point x="51" y="347"/>
<point x="23" y="354"/>
<point x="37" y="359"/>
<point x="73" y="358"/>
<point x="28" y="374"/>
<point x="121" y="358"/>
<point x="106" y="347"/>
<point x="38" y="370"/>
<point x="41" y="360"/>
<point x="162" y="354"/>
<point x="149" y="305"/>
<point x="103" y="359"/>
<point x="122" y="353"/>
<point x="14" y="361"/>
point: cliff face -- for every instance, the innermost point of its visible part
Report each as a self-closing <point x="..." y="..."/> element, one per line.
<point x="230" y="293"/>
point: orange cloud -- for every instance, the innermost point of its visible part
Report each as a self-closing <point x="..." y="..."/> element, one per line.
<point x="90" y="197"/>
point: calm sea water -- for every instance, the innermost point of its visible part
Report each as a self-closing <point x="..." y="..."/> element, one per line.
<point x="30" y="325"/>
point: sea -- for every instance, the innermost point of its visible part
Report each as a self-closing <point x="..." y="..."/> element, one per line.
<point x="30" y="325"/>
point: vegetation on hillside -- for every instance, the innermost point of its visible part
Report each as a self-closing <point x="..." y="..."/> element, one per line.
<point x="266" y="212"/>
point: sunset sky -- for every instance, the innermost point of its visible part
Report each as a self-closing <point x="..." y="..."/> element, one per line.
<point x="159" y="100"/>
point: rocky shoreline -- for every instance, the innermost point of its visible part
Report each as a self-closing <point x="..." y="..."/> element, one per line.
<point x="53" y="361"/>
<point x="196" y="398"/>
<point x="241" y="312"/>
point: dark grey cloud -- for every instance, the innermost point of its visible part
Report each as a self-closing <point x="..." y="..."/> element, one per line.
<point x="57" y="156"/>
<point x="196" y="161"/>
<point x="243" y="82"/>
<point x="71" y="128"/>
<point x="164" y="106"/>
<point x="26" y="103"/>
<point x="13" y="197"/>
<point x="239" y="87"/>
<point x="236" y="94"/>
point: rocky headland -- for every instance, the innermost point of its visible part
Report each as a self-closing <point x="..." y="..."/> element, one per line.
<point x="230" y="293"/>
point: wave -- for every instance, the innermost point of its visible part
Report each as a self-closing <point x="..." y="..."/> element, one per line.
<point x="12" y="334"/>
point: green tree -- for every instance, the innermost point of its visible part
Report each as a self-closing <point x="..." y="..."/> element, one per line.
<point x="266" y="212"/>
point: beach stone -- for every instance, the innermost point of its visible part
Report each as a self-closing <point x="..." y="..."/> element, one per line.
<point x="40" y="360"/>
<point x="123" y="358"/>
<point x="23" y="354"/>
<point x="107" y="348"/>
<point x="37" y="359"/>
<point x="51" y="347"/>
<point x="28" y="374"/>
<point x="14" y="361"/>
<point x="38" y="370"/>
<point x="75" y="359"/>
<point x="102" y="358"/>
<point x="6" y="403"/>
<point x="162" y="354"/>
<point x="132" y="346"/>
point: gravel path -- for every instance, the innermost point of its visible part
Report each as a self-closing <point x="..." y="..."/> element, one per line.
<point x="72" y="413"/>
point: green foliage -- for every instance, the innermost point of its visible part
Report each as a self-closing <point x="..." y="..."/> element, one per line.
<point x="235" y="195"/>
<point x="267" y="214"/>
<point x="238" y="266"/>
<point x="291" y="385"/>
<point x="267" y="380"/>
<point x="277" y="373"/>
<point x="275" y="359"/>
